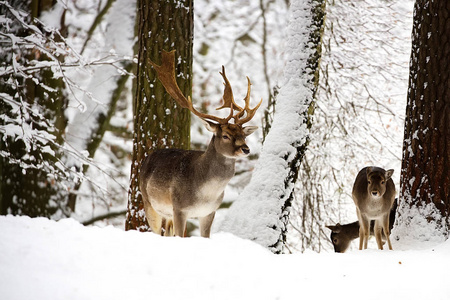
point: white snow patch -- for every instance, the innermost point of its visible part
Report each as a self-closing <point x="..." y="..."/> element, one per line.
<point x="43" y="259"/>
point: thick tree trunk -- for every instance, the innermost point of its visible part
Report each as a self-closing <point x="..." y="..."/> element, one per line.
<point x="425" y="179"/>
<point x="159" y="122"/>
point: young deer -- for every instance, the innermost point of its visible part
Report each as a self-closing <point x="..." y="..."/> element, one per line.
<point x="180" y="184"/>
<point x="342" y="235"/>
<point x="373" y="194"/>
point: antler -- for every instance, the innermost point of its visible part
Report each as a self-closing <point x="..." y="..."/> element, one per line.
<point x="250" y="112"/>
<point x="166" y="74"/>
<point x="228" y="101"/>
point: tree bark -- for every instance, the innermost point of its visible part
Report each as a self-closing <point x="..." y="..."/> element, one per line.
<point x="158" y="121"/>
<point x="425" y="179"/>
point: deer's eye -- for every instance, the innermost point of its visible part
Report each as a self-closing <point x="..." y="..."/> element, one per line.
<point x="225" y="137"/>
<point x="382" y="182"/>
<point x="368" y="181"/>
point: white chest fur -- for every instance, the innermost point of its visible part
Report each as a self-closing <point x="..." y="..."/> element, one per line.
<point x="211" y="190"/>
<point x="374" y="207"/>
<point x="210" y="196"/>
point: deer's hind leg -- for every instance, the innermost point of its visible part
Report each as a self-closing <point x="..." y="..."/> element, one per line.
<point x="167" y="225"/>
<point x="154" y="220"/>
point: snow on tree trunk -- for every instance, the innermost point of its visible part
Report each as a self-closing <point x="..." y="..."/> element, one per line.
<point x="425" y="179"/>
<point x="158" y="121"/>
<point x="261" y="212"/>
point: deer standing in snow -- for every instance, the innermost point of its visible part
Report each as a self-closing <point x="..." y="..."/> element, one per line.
<point x="373" y="194"/>
<point x="180" y="184"/>
<point x="342" y="235"/>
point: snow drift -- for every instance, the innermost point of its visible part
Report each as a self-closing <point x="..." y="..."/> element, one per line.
<point x="43" y="259"/>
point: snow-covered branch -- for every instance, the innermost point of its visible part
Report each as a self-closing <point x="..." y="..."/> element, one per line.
<point x="42" y="78"/>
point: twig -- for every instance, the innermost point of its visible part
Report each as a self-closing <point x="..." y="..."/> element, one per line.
<point x="108" y="215"/>
<point x="96" y="23"/>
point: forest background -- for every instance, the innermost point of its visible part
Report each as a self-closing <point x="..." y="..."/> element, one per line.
<point x="84" y="151"/>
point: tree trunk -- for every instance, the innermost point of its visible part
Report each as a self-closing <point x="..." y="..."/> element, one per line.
<point x="158" y="121"/>
<point x="425" y="179"/>
<point x="261" y="213"/>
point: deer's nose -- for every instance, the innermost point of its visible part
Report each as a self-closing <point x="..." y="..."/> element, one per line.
<point x="375" y="193"/>
<point x="245" y="150"/>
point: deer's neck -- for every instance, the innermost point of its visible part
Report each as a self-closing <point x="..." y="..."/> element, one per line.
<point x="216" y="163"/>
<point x="352" y="229"/>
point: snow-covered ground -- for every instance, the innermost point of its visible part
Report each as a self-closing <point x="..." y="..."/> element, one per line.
<point x="43" y="259"/>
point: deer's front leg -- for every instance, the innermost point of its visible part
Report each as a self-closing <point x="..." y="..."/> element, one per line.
<point x="205" y="224"/>
<point x="377" y="233"/>
<point x="387" y="231"/>
<point x="364" y="230"/>
<point x="179" y="223"/>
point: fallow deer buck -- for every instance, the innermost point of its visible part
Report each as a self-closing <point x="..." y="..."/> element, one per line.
<point x="342" y="235"/>
<point x="373" y="194"/>
<point x="177" y="185"/>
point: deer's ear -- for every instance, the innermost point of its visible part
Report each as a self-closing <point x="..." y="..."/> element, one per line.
<point x="389" y="173"/>
<point x="335" y="229"/>
<point x="210" y="126"/>
<point x="249" y="130"/>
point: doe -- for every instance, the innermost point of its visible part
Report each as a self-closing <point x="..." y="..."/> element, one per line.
<point x="374" y="194"/>
<point x="342" y="235"/>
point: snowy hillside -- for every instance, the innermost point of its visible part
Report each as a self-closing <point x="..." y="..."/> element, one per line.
<point x="46" y="260"/>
